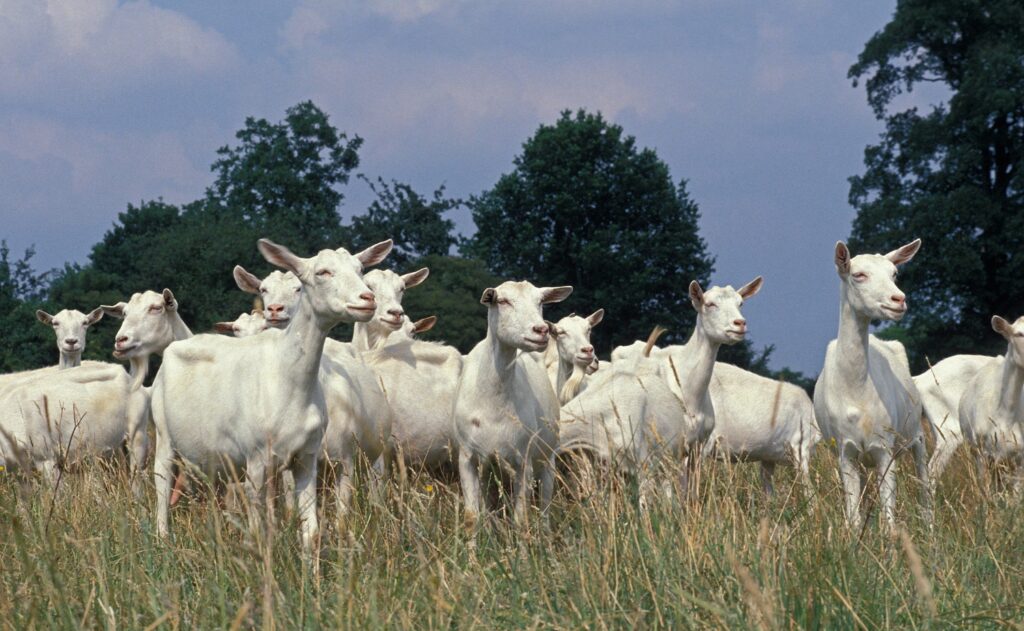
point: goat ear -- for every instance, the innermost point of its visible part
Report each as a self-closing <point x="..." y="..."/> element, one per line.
<point x="553" y="328"/>
<point x="425" y="324"/>
<point x="246" y="281"/>
<point x="554" y="294"/>
<point x="1002" y="327"/>
<point x="595" y="318"/>
<point x="282" y="257"/>
<point x="415" y="278"/>
<point x="903" y="254"/>
<point x="170" y="303"/>
<point x="225" y="327"/>
<point x="94" y="316"/>
<point x="375" y="253"/>
<point x="489" y="297"/>
<point x="842" y="259"/>
<point x="44" y="317"/>
<point x="696" y="295"/>
<point x="751" y="288"/>
<point x="115" y="311"/>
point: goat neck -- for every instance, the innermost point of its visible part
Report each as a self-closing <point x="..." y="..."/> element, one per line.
<point x="852" y="342"/>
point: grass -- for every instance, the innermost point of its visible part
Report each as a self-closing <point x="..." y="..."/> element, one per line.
<point x="90" y="558"/>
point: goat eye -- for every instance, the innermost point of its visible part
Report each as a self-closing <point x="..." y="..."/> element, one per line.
<point x="324" y="272"/>
<point x="860" y="276"/>
<point x="155" y="309"/>
<point x="710" y="305"/>
<point x="503" y="301"/>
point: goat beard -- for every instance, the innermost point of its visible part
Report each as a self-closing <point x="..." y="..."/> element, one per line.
<point x="572" y="384"/>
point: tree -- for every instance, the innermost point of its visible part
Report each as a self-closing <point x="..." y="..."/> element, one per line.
<point x="950" y="175"/>
<point x="282" y="181"/>
<point x="25" y="343"/>
<point x="283" y="178"/>
<point x="452" y="293"/>
<point x="584" y="207"/>
<point x="416" y="224"/>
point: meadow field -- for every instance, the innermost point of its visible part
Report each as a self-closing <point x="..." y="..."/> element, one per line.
<point x="732" y="559"/>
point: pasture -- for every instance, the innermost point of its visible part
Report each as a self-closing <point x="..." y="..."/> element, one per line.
<point x="732" y="559"/>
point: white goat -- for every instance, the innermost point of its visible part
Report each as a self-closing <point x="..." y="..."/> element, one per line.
<point x="573" y="354"/>
<point x="991" y="415"/>
<point x="70" y="326"/>
<point x="687" y="369"/>
<point x="941" y="387"/>
<point x="249" y="404"/>
<point x="627" y="419"/>
<point x="419" y="379"/>
<point x="761" y="420"/>
<point x="358" y="415"/>
<point x="506" y="413"/>
<point x="865" y="398"/>
<point x="244" y="325"/>
<point x="55" y="417"/>
<point x="389" y="288"/>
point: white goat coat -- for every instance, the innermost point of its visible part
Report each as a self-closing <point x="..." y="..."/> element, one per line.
<point x="358" y="413"/>
<point x="505" y="414"/>
<point x="880" y="416"/>
<point x="941" y="387"/>
<point x="39" y="411"/>
<point x="760" y="419"/>
<point x="996" y="430"/>
<point x="217" y="422"/>
<point x="627" y="418"/>
<point x="420" y="379"/>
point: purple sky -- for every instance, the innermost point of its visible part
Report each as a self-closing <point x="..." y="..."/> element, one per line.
<point x="104" y="103"/>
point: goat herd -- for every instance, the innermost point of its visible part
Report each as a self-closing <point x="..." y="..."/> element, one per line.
<point x="280" y="395"/>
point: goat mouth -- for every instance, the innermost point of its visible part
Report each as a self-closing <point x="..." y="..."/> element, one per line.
<point x="124" y="350"/>
<point x="895" y="313"/>
<point x="736" y="333"/>
<point x="584" y="360"/>
<point x="363" y="308"/>
<point x="277" y="321"/>
<point x="394" y="324"/>
<point x="540" y="344"/>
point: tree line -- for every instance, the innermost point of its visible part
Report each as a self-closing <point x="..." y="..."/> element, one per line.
<point x="583" y="205"/>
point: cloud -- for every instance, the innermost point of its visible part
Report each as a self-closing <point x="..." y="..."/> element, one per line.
<point x="73" y="46"/>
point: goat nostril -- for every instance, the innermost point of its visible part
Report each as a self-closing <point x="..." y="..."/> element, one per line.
<point x="899" y="299"/>
<point x="367" y="296"/>
<point x="740" y="323"/>
<point x="587" y="350"/>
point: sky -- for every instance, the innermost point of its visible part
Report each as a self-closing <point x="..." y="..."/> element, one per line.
<point x="105" y="103"/>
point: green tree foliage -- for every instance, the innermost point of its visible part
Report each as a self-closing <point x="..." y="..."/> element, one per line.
<point x="452" y="293"/>
<point x="585" y="207"/>
<point x="280" y="182"/>
<point x="284" y="178"/>
<point x="950" y="175"/>
<point x="415" y="223"/>
<point x="25" y="343"/>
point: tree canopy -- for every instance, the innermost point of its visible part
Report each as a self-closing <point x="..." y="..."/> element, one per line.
<point x="950" y="175"/>
<point x="584" y="206"/>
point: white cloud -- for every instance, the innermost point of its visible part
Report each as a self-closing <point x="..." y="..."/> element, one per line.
<point x="64" y="46"/>
<point x="125" y="166"/>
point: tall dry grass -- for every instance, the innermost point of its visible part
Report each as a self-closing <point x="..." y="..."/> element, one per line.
<point x="732" y="559"/>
